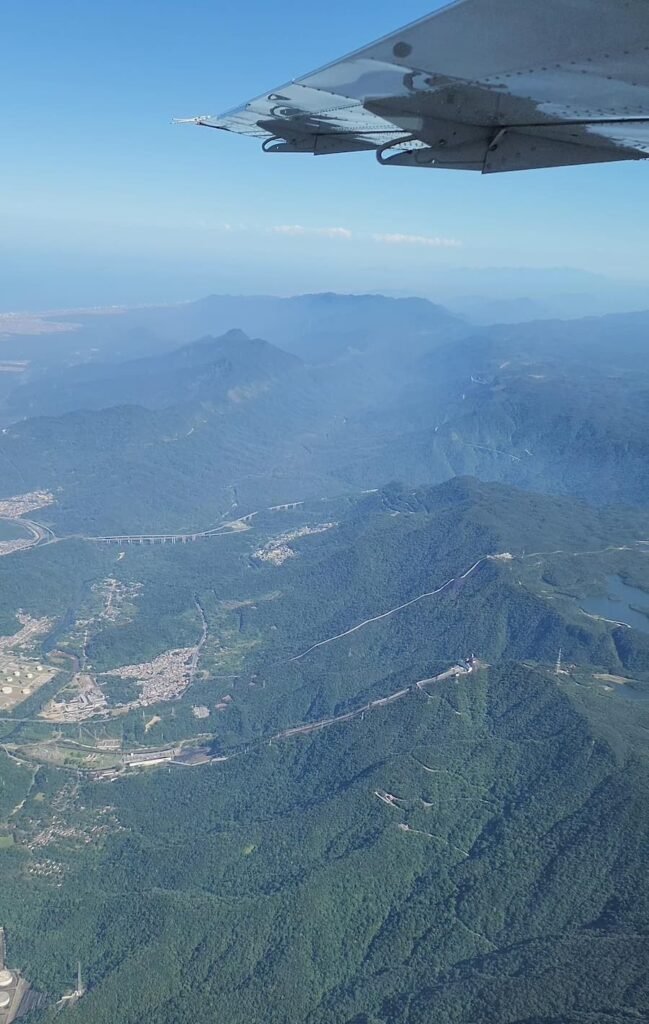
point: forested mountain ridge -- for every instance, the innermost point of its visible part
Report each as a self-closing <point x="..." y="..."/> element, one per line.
<point x="209" y="370"/>
<point x="371" y="842"/>
<point x="451" y="854"/>
<point x="398" y="584"/>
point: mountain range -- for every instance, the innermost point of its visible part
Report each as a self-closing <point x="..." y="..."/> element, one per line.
<point x="375" y="750"/>
<point x="170" y="441"/>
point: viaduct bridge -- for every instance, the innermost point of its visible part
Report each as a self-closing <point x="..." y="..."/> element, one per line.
<point x="45" y="535"/>
<point x="232" y="526"/>
<point x="161" y="538"/>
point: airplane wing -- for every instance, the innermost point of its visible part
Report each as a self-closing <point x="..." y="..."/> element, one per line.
<point x="481" y="85"/>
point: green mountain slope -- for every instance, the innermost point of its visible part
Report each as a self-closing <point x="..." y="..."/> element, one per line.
<point x="371" y="844"/>
<point x="477" y="853"/>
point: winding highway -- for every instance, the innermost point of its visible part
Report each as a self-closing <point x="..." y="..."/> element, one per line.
<point x="44" y="535"/>
<point x="38" y="535"/>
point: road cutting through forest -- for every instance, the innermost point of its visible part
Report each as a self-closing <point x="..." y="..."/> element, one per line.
<point x="391" y="611"/>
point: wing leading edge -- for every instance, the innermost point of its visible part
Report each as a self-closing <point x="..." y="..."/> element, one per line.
<point x="481" y="85"/>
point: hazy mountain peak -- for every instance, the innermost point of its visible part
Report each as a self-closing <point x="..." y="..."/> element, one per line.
<point x="203" y="370"/>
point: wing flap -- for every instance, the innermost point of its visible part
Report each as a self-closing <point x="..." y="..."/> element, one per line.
<point x="523" y="151"/>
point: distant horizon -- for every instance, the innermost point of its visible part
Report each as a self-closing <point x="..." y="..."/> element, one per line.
<point x="458" y="285"/>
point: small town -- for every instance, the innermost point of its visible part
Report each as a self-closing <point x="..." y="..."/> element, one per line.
<point x="21" y="504"/>
<point x="277" y="551"/>
<point x="162" y="679"/>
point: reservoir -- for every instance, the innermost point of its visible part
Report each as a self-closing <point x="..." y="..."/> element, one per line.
<point x="621" y="603"/>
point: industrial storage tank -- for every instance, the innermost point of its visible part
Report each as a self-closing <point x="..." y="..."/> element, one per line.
<point x="5" y="1000"/>
<point x="6" y="979"/>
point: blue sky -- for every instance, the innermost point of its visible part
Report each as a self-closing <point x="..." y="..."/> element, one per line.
<point x="103" y="200"/>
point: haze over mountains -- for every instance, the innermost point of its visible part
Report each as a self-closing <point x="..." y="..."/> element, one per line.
<point x="312" y="326"/>
<point x="360" y="391"/>
<point x="512" y="294"/>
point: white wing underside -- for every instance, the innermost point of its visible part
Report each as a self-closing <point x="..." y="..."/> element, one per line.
<point x="483" y="85"/>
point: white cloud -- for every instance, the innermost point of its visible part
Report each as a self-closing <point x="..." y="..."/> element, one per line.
<point x="431" y="242"/>
<point x="298" y="230"/>
<point x="334" y="232"/>
<point x="289" y="229"/>
<point x="384" y="238"/>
